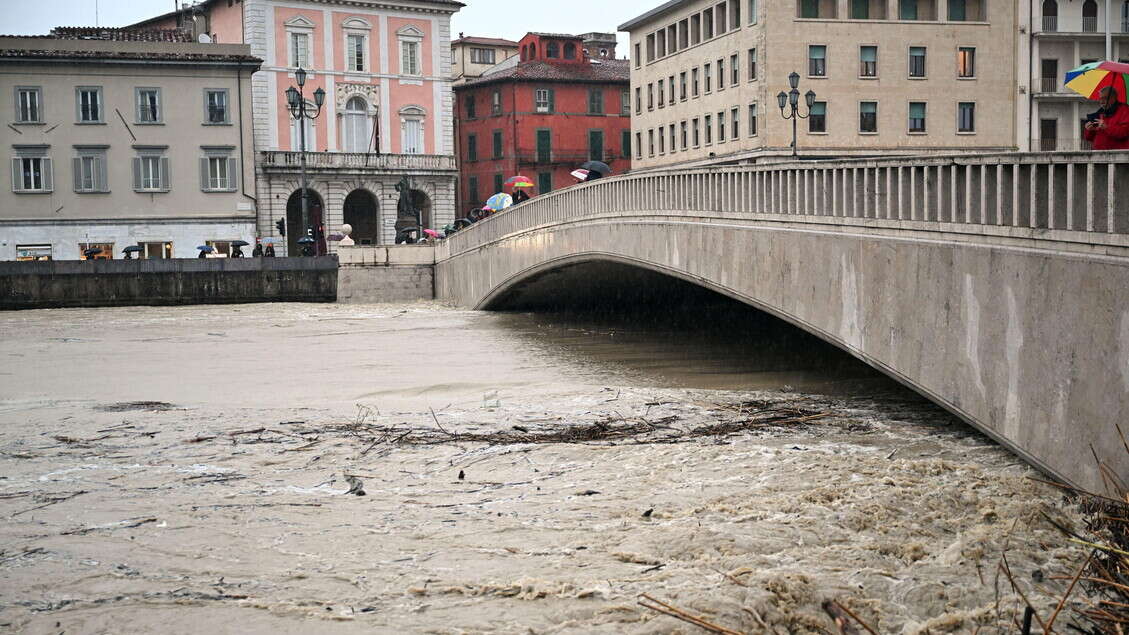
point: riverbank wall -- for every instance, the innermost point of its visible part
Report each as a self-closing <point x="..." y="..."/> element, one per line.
<point x="386" y="273"/>
<point x="93" y="283"/>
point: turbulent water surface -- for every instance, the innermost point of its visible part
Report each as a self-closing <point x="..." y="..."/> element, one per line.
<point x="189" y="470"/>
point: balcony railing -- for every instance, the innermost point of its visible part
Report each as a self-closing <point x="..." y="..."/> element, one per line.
<point x="357" y="161"/>
<point x="1050" y="23"/>
<point x="1089" y="25"/>
<point x="1061" y="145"/>
<point x="1049" y="85"/>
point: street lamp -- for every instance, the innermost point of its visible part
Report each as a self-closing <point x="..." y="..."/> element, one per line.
<point x="296" y="100"/>
<point x="792" y="98"/>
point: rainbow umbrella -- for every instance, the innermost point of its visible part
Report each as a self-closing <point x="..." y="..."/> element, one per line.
<point x="1088" y="79"/>
<point x="499" y="201"/>
<point x="519" y="181"/>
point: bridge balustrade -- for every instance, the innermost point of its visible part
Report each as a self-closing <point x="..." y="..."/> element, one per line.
<point x="1068" y="196"/>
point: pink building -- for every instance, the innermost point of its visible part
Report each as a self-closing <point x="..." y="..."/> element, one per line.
<point x="385" y="68"/>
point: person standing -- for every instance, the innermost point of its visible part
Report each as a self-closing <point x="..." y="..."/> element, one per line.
<point x="257" y="252"/>
<point x="1110" y="129"/>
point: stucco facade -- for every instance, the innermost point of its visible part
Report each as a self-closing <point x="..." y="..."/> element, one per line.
<point x="111" y="144"/>
<point x="905" y="76"/>
<point x="472" y="56"/>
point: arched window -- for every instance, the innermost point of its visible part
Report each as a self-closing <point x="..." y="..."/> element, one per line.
<point x="552" y="50"/>
<point x="570" y="51"/>
<point x="1050" y="9"/>
<point x="1090" y="16"/>
<point x="356" y="131"/>
<point x="524" y="53"/>
<point x="412" y="130"/>
<point x="532" y="51"/>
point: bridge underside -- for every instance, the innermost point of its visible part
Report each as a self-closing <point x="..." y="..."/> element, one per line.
<point x="1030" y="346"/>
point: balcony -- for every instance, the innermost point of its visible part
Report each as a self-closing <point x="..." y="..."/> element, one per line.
<point x="289" y="161"/>
<point x="1075" y="23"/>
<point x="565" y="157"/>
<point x="1061" y="145"/>
<point x="1089" y="25"/>
<point x="1050" y="85"/>
<point x="1050" y="23"/>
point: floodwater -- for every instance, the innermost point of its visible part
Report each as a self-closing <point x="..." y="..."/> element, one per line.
<point x="188" y="469"/>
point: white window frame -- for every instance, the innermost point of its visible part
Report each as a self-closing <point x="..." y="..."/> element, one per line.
<point x="95" y="157"/>
<point x="753" y="123"/>
<point x="876" y="116"/>
<point x="347" y="122"/>
<point x="413" y="116"/>
<point x="299" y="25"/>
<point x="542" y="105"/>
<point x="226" y="107"/>
<point x="20" y="91"/>
<point x="861" y="62"/>
<point x="138" y="107"/>
<point x="909" y="62"/>
<point x="810" y="59"/>
<point x="219" y="171"/>
<point x="42" y="182"/>
<point x="101" y="105"/>
<point x="357" y="27"/>
<point x="481" y="54"/>
<point x="752" y="17"/>
<point x="410" y="38"/>
<point x="148" y="159"/>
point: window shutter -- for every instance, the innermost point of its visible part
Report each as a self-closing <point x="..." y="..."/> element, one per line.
<point x="103" y="181"/>
<point x="165" y="175"/>
<point x="552" y="100"/>
<point x="137" y="173"/>
<point x="76" y="164"/>
<point x="48" y="181"/>
<point x="233" y="174"/>
<point x="17" y="182"/>
<point x="204" y="174"/>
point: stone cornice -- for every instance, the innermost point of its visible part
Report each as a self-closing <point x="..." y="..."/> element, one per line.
<point x="419" y="6"/>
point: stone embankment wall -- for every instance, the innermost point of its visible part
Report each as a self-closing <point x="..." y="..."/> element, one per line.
<point x="91" y="283"/>
<point x="395" y="273"/>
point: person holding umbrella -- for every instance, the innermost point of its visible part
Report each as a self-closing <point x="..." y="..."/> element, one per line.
<point x="1109" y="130"/>
<point x="596" y="170"/>
<point x="130" y="250"/>
<point x="518" y="184"/>
<point x="237" y="248"/>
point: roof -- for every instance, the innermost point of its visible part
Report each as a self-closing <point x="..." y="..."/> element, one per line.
<point x="487" y="41"/>
<point x="120" y="35"/>
<point x="100" y="55"/>
<point x="564" y="35"/>
<point x="597" y="72"/>
<point x="203" y="4"/>
<point x="662" y="9"/>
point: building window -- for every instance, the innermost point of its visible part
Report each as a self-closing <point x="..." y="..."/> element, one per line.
<point x="215" y="106"/>
<point x="817" y="118"/>
<point x="356" y="132"/>
<point x="696" y="132"/>
<point x="624" y="102"/>
<point x="734" y="71"/>
<point x="543" y="100"/>
<point x="708" y="77"/>
<point x="625" y="144"/>
<point x="596" y="145"/>
<point x="907" y="9"/>
<point x="472" y="191"/>
<point x="707" y="24"/>
<point x="860" y="10"/>
<point x="707" y="124"/>
<point x="218" y="172"/>
<point x="695" y="28"/>
<point x="106" y="251"/>
<point x="868" y="116"/>
<point x="472" y="147"/>
<point x="544" y="182"/>
<point x="496" y="102"/>
<point x="809" y="8"/>
<point x="552" y="50"/>
<point x="544" y="146"/>
<point x="660" y="39"/>
<point x="684" y="134"/>
<point x="694" y="82"/>
<point x="662" y="140"/>
<point x="752" y="64"/>
<point x="966" y="62"/>
<point x="496" y="141"/>
<point x="650" y="96"/>
<point x="411" y="130"/>
<point x="638" y="100"/>
<point x="721" y="127"/>
<point x="721" y="74"/>
<point x="32" y="170"/>
<point x="651" y="142"/>
<point x="662" y="93"/>
<point x="356" y="53"/>
<point x="468" y="104"/>
<point x="670" y="85"/>
<point x="735" y="14"/>
<point x="299" y="50"/>
<point x="638" y="56"/>
<point x="682" y="86"/>
<point x="966" y="116"/>
<point x="151" y="171"/>
<point x="752" y="120"/>
<point x="752" y="11"/>
<point x="148" y="105"/>
<point x="673" y="139"/>
<point x="735" y="119"/>
<point x="156" y="250"/>
<point x="638" y="145"/>
<point x="409" y="58"/>
<point x="651" y="47"/>
<point x="89" y="102"/>
<point x="917" y="61"/>
<point x="499" y="182"/>
<point x="722" y="18"/>
<point x="958" y="11"/>
<point x="90" y="170"/>
<point x="482" y="56"/>
<point x="817" y="61"/>
<point x="28" y="104"/>
<point x="304" y="127"/>
<point x="33" y="252"/>
<point x="868" y="61"/>
<point x="917" y="116"/>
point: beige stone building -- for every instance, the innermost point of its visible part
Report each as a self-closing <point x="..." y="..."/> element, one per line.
<point x="116" y="139"/>
<point x="890" y="76"/>
<point x="472" y="56"/>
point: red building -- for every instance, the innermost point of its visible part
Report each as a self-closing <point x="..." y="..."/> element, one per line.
<point x="552" y="109"/>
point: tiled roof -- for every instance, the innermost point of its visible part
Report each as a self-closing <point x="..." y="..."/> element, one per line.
<point x="602" y="71"/>
<point x="564" y="35"/>
<point x="153" y="56"/>
<point x="120" y="35"/>
<point x="488" y="41"/>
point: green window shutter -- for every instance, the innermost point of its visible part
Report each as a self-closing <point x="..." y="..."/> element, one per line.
<point x="233" y="175"/>
<point x="544" y="182"/>
<point x="76" y="165"/>
<point x="17" y="177"/>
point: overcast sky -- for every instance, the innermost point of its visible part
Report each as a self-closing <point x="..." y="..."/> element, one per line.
<point x="508" y="19"/>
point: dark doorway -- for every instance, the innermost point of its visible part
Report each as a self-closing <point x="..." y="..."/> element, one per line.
<point x="1048" y="135"/>
<point x="423" y="203"/>
<point x="294" y="229"/>
<point x="361" y="212"/>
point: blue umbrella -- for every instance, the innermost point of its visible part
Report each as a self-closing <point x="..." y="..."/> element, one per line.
<point x="206" y="248"/>
<point x="499" y="201"/>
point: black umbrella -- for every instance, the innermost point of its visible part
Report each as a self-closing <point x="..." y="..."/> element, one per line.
<point x="240" y="243"/>
<point x="132" y="249"/>
<point x="90" y="253"/>
<point x="597" y="166"/>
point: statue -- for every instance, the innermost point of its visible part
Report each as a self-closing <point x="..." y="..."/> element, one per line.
<point x="407" y="216"/>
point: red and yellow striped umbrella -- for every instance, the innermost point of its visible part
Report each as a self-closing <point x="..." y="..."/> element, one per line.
<point x="1089" y="79"/>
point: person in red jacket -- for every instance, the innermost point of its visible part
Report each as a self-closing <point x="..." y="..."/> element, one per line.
<point x="1110" y="130"/>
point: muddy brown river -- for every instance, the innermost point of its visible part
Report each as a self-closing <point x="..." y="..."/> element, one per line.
<point x="196" y="469"/>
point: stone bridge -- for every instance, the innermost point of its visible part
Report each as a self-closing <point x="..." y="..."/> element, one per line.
<point x="995" y="285"/>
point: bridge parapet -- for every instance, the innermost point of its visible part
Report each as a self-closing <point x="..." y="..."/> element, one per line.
<point x="1062" y="196"/>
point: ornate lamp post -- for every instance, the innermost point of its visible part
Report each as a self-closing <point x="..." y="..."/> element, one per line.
<point x="792" y="98"/>
<point x="296" y="100"/>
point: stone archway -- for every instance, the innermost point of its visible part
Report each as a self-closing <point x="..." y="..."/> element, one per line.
<point x="294" y="229"/>
<point x="362" y="213"/>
